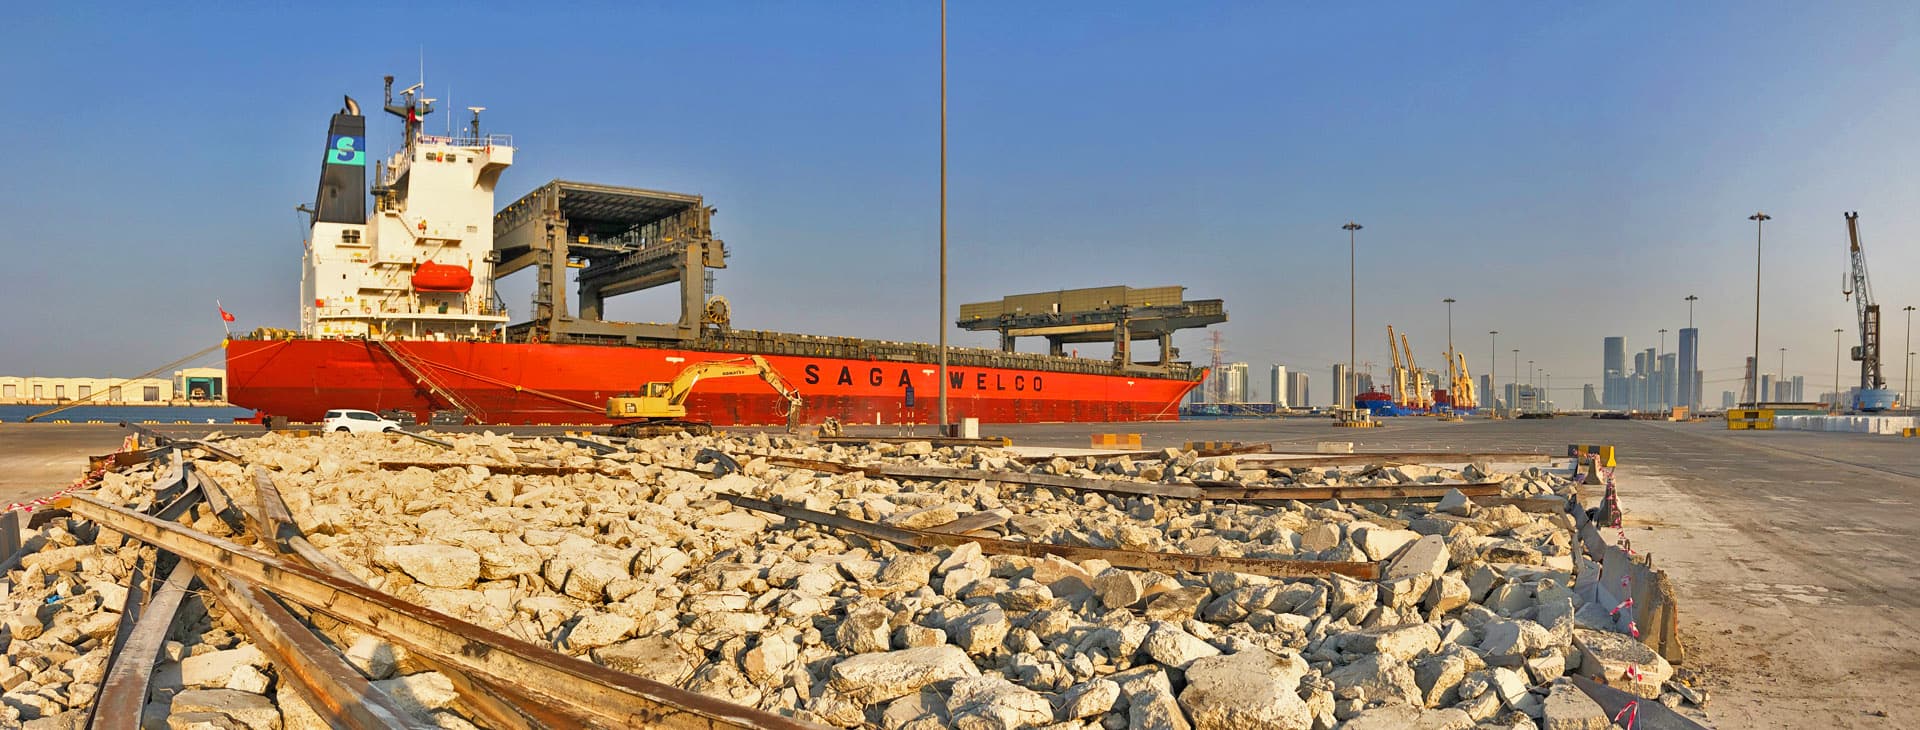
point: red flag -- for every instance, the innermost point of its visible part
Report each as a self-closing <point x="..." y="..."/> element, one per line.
<point x="224" y="316"/>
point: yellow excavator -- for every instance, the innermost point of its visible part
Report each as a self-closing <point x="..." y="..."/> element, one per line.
<point x="660" y="408"/>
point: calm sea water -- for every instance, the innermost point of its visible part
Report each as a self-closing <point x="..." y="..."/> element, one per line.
<point x="130" y="414"/>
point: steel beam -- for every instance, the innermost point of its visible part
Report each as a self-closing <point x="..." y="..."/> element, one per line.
<point x="1121" y="558"/>
<point x="614" y="699"/>
<point x="124" y="695"/>
<point x="333" y="688"/>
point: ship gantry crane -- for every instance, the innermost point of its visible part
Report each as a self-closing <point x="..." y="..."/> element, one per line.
<point x="1873" y="394"/>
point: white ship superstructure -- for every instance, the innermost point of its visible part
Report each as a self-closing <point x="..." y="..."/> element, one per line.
<point x="419" y="265"/>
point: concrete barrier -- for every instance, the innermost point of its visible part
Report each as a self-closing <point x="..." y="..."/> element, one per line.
<point x="1656" y="605"/>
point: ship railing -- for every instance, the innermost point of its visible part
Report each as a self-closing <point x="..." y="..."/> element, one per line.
<point x="468" y="140"/>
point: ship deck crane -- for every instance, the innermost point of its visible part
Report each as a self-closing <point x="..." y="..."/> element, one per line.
<point x="660" y="407"/>
<point x="1872" y="395"/>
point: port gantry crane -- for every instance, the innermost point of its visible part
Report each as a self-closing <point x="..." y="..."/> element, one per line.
<point x="1872" y="395"/>
<point x="1399" y="373"/>
<point x="1463" y="394"/>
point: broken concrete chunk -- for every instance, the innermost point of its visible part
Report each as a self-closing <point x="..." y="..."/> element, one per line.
<point x="1607" y="656"/>
<point x="878" y="677"/>
<point x="440" y="566"/>
<point x="1568" y="708"/>
<point x="1168" y="644"/>
<point x="250" y="710"/>
<point x="1250" y="689"/>
<point x="993" y="703"/>
<point x="1426" y="555"/>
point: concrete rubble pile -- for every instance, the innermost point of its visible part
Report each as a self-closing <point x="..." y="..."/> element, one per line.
<point x="636" y="565"/>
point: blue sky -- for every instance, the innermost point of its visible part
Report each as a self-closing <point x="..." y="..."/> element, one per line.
<point x="1566" y="171"/>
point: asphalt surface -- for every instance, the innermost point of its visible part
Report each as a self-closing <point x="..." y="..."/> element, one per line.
<point x="1794" y="554"/>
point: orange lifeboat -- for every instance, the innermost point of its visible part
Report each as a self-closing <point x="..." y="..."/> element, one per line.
<point x="430" y="276"/>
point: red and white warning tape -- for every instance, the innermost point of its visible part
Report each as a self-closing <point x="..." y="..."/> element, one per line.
<point x="1631" y="712"/>
<point x="131" y="443"/>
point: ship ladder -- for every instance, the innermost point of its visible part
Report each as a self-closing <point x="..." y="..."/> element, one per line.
<point x="420" y="376"/>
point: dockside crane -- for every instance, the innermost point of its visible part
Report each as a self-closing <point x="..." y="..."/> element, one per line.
<point x="1465" y="395"/>
<point x="1872" y="395"/>
<point x="1399" y="373"/>
<point x="1420" y="395"/>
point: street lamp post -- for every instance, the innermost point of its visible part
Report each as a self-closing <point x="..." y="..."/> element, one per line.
<point x="1353" y="309"/>
<point x="1513" y="404"/>
<point x="1690" y="300"/>
<point x="1906" y="391"/>
<point x="1759" y="226"/>
<point x="1783" y="371"/>
<point x="1452" y="392"/>
<point x="1835" y="406"/>
<point x="945" y="429"/>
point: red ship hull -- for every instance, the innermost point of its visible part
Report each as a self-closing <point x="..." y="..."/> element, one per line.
<point x="567" y="384"/>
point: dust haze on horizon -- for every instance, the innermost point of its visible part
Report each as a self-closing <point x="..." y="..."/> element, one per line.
<point x="1566" y="173"/>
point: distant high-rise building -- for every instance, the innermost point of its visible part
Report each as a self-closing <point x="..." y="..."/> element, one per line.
<point x="1669" y="369"/>
<point x="1613" y="371"/>
<point x="1342" y="387"/>
<point x="1297" y="395"/>
<point x="1363" y="383"/>
<point x="1277" y="386"/>
<point x="1799" y="390"/>
<point x="1766" y="388"/>
<point x="1234" y="384"/>
<point x="1689" y="394"/>
<point x="1726" y="400"/>
<point x="1589" y="401"/>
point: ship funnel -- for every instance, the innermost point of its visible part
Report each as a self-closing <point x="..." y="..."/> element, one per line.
<point x="343" y="170"/>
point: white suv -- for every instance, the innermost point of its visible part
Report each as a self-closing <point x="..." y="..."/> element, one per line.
<point x="352" y="421"/>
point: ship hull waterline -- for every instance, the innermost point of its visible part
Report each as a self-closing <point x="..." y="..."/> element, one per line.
<point x="551" y="383"/>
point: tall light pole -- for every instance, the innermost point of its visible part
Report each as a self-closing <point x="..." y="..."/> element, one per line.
<point x="1353" y="308"/>
<point x="1690" y="300"/>
<point x="1783" y="371"/>
<point x="1906" y="391"/>
<point x="945" y="429"/>
<point x="1759" y="227"/>
<point x="1452" y="392"/>
<point x="1546" y="389"/>
<point x="1835" y="407"/>
<point x="1513" y="404"/>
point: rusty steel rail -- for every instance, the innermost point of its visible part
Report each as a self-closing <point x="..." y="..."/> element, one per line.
<point x="164" y="440"/>
<point x="1122" y="558"/>
<point x="124" y="693"/>
<point x="935" y="440"/>
<point x="511" y="469"/>
<point x="1204" y="490"/>
<point x="614" y="699"/>
<point x="289" y="540"/>
<point x="333" y="688"/>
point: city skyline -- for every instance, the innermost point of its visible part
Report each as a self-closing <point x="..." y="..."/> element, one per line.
<point x="824" y="168"/>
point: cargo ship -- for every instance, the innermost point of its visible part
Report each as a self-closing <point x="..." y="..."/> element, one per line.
<point x="399" y="311"/>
